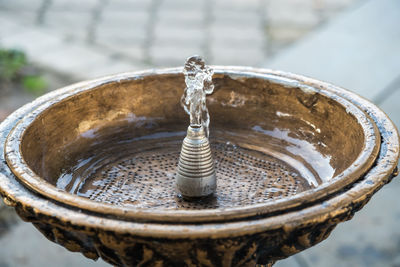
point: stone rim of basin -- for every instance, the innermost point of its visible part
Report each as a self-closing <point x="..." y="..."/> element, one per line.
<point x="298" y="201"/>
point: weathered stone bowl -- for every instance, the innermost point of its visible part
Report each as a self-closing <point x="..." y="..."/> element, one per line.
<point x="92" y="166"/>
<point x="290" y="143"/>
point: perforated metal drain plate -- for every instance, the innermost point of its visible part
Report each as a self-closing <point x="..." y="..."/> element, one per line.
<point x="147" y="180"/>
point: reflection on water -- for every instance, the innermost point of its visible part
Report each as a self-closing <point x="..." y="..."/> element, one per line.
<point x="320" y="162"/>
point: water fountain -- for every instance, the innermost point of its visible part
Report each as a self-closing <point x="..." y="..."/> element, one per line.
<point x="94" y="166"/>
<point x="196" y="173"/>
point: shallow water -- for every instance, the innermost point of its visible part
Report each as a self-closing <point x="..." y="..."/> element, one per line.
<point x="140" y="172"/>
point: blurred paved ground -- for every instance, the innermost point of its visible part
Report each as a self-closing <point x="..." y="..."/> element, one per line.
<point x="95" y="37"/>
<point x="358" y="49"/>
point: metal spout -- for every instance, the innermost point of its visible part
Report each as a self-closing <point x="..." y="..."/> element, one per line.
<point x="196" y="174"/>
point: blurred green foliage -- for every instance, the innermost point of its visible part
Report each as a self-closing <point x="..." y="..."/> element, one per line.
<point x="11" y="64"/>
<point x="14" y="68"/>
<point x="35" y="85"/>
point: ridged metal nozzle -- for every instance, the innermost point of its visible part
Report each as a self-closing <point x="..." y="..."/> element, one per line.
<point x="196" y="174"/>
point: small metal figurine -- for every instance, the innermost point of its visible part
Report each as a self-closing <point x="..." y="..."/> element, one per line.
<point x="196" y="173"/>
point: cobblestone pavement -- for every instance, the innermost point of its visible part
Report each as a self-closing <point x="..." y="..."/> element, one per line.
<point x="93" y="37"/>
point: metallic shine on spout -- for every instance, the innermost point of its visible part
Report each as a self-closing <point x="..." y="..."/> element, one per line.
<point x="196" y="174"/>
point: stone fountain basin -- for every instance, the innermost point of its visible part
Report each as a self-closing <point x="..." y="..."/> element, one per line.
<point x="236" y="241"/>
<point x="112" y="146"/>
